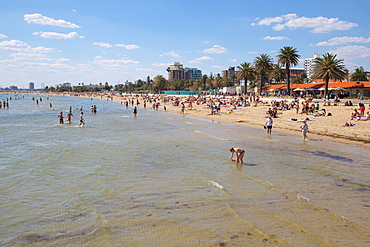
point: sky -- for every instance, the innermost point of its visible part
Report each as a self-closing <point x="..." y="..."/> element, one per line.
<point x="51" y="42"/>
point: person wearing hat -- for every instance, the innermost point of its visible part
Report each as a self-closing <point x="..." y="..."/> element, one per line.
<point x="304" y="128"/>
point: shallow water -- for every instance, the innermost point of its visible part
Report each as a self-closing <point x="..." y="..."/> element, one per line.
<point x="163" y="180"/>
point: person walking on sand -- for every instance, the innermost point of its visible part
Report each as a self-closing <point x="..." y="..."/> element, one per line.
<point x="268" y="125"/>
<point x="82" y="120"/>
<point x="61" y="118"/>
<point x="304" y="128"/>
<point x="239" y="155"/>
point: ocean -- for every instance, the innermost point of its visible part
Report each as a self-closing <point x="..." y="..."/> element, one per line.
<point x="161" y="179"/>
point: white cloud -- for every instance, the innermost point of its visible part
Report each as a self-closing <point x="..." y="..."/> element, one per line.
<point x="233" y="60"/>
<point x="43" y="20"/>
<point x="54" y="35"/>
<point x="14" y="45"/>
<point x="98" y="57"/>
<point x="21" y="56"/>
<point x="317" y="24"/>
<point x="217" y="49"/>
<point x="343" y="40"/>
<point x="3" y="36"/>
<point x="115" y="63"/>
<point x="17" y="45"/>
<point x="160" y="64"/>
<point x="171" y="54"/>
<point x="128" y="47"/>
<point x="252" y="52"/>
<point x="102" y="44"/>
<point x="148" y="70"/>
<point x="275" y="38"/>
<point x="351" y="52"/>
<point x="199" y="59"/>
<point x="216" y="67"/>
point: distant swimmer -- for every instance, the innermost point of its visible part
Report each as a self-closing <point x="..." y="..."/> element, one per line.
<point x="135" y="111"/>
<point x="239" y="155"/>
<point x="82" y="120"/>
<point x="61" y="118"/>
<point x="94" y="109"/>
<point x="69" y="117"/>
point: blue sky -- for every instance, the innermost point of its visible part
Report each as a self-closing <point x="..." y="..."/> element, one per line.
<point x="51" y="42"/>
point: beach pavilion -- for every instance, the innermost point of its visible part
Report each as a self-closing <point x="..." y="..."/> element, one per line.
<point x="354" y="88"/>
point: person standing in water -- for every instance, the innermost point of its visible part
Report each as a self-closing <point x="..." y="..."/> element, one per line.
<point x="82" y="120"/>
<point x="135" y="111"/>
<point x="61" y="118"/>
<point x="304" y="128"/>
<point x="69" y="117"/>
<point x="239" y="155"/>
<point x="268" y="125"/>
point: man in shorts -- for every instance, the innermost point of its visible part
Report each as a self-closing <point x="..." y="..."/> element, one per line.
<point x="268" y="125"/>
<point x="82" y="120"/>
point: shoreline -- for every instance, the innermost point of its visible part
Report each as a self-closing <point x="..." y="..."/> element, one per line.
<point x="323" y="127"/>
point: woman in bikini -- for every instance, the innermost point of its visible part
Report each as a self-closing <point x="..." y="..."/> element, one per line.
<point x="239" y="155"/>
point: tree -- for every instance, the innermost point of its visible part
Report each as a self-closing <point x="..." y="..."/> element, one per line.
<point x="288" y="56"/>
<point x="204" y="81"/>
<point x="246" y="72"/>
<point x="328" y="67"/>
<point x="159" y="83"/>
<point x="301" y="78"/>
<point x="263" y="65"/>
<point x="210" y="81"/>
<point x="359" y="75"/>
<point x="277" y="74"/>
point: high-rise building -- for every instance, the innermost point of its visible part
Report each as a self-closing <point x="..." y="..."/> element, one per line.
<point x="31" y="86"/>
<point x="176" y="71"/>
<point x="308" y="65"/>
<point x="192" y="73"/>
<point x="228" y="73"/>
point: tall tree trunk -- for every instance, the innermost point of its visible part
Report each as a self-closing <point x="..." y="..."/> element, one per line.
<point x="327" y="88"/>
<point x="288" y="77"/>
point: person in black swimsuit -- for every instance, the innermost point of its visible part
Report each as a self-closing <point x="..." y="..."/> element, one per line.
<point x="239" y="155"/>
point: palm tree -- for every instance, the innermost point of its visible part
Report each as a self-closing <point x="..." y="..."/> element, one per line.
<point x="359" y="75"/>
<point x="263" y="65"/>
<point x="210" y="81"/>
<point x="204" y="81"/>
<point x="328" y="67"/>
<point x="277" y="74"/>
<point x="288" y="56"/>
<point x="159" y="83"/>
<point x="247" y="73"/>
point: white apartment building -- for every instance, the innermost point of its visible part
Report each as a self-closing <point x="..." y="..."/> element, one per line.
<point x="308" y="65"/>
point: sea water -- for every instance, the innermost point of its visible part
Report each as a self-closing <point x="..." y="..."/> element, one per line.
<point x="161" y="179"/>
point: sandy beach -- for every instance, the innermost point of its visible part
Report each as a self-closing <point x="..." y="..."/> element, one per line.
<point x="254" y="115"/>
<point x="326" y="127"/>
